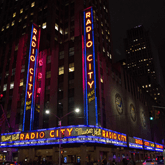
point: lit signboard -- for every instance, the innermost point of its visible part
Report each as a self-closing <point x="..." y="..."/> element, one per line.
<point x="159" y="147"/>
<point x="90" y="109"/>
<point x="135" y="142"/>
<point x="148" y="145"/>
<point x="29" y="106"/>
<point x="73" y="134"/>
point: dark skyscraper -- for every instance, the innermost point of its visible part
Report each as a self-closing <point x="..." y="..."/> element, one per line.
<point x="142" y="62"/>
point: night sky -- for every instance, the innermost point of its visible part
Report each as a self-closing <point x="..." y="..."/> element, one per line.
<point x="126" y="14"/>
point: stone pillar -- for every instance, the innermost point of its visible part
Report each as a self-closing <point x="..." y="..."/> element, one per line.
<point x="9" y="156"/>
<point x="83" y="154"/>
<point x="97" y="154"/>
<point x="31" y="154"/>
<point x="55" y="155"/>
<point x="20" y="155"/>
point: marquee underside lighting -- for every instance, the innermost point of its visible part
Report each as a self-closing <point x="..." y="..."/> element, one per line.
<point x="76" y="134"/>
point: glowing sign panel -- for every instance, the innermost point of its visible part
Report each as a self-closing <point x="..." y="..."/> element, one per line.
<point x="135" y="142"/>
<point x="158" y="147"/>
<point x="148" y="145"/>
<point x="89" y="67"/>
<point x="30" y="81"/>
<point x="72" y="134"/>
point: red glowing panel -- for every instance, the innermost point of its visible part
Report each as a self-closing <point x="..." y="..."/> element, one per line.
<point x="40" y="62"/>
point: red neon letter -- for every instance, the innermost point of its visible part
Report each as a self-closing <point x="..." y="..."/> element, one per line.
<point x="89" y="44"/>
<point x="39" y="90"/>
<point x="30" y="78"/>
<point x="103" y="133"/>
<point x="88" y="14"/>
<point x="32" y="58"/>
<point x="31" y="70"/>
<point x="27" y="136"/>
<point x="32" y="136"/>
<point x="88" y="22"/>
<point x="52" y="135"/>
<point x="39" y="75"/>
<point x="90" y="84"/>
<point x="34" y="38"/>
<point x="89" y="66"/>
<point x="32" y="50"/>
<point x="21" y="136"/>
<point x="34" y="30"/>
<point x="40" y="62"/>
<point x="30" y="86"/>
<point x="88" y="29"/>
<point x="70" y="130"/>
<point x="89" y="57"/>
<point x="33" y="44"/>
<point x="42" y="134"/>
<point x="29" y="94"/>
<point x="119" y="137"/>
<point x="90" y="74"/>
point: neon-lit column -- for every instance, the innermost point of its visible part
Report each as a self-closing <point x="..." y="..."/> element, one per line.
<point x="29" y="105"/>
<point x="90" y="99"/>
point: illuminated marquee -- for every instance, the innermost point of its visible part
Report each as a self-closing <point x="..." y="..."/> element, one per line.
<point x="29" y="107"/>
<point x="148" y="145"/>
<point x="90" y="98"/>
<point x="135" y="142"/>
<point x="158" y="147"/>
<point x="77" y="134"/>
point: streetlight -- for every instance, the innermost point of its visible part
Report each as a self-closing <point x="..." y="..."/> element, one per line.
<point x="77" y="110"/>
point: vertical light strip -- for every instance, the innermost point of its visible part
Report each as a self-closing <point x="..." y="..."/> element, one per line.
<point x="83" y="76"/>
<point x="94" y="68"/>
<point x="24" y="114"/>
<point x="85" y="98"/>
<point x="33" y="95"/>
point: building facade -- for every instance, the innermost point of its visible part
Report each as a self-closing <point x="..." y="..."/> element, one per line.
<point x="57" y="56"/>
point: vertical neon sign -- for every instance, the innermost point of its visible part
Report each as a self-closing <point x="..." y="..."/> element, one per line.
<point x="90" y="98"/>
<point x="29" y="107"/>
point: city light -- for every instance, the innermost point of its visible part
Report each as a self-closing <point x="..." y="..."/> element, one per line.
<point x="151" y="118"/>
<point x="47" y="111"/>
<point x="77" y="110"/>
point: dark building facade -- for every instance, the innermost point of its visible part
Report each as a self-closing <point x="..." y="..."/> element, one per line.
<point x="142" y="62"/>
<point x="57" y="56"/>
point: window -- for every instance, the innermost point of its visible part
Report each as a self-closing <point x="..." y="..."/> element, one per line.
<point x="21" y="11"/>
<point x="44" y="25"/>
<point x="61" y="55"/>
<point x="71" y="51"/>
<point x="11" y="85"/>
<point x="56" y="26"/>
<point x="24" y="26"/>
<point x="7" y="26"/>
<point x="21" y="83"/>
<point x="13" y="71"/>
<point x="20" y="20"/>
<point x="32" y="4"/>
<point x="13" y="22"/>
<point x="23" y="69"/>
<point x="2" y="28"/>
<point x="61" y="31"/>
<point x="48" y="74"/>
<point x="4" y="87"/>
<point x="61" y="70"/>
<point x="48" y="60"/>
<point x="25" y="17"/>
<point x="14" y="14"/>
<point x="71" y="67"/>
